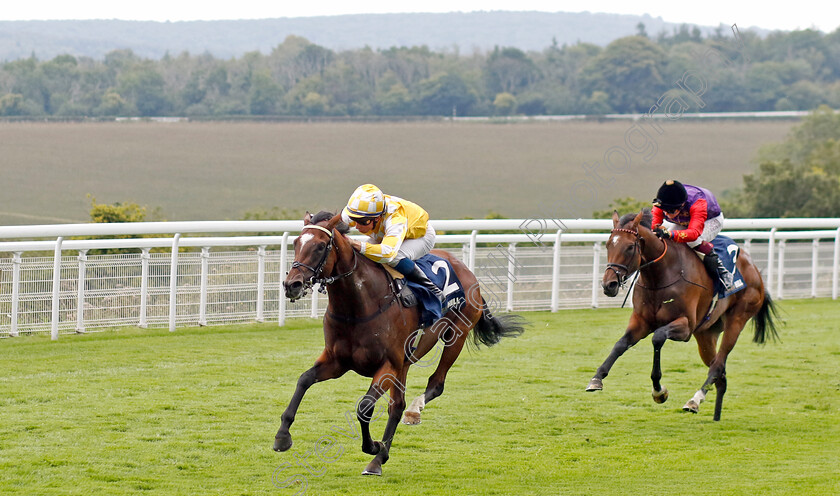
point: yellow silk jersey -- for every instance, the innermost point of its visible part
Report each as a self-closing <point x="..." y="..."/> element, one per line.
<point x="402" y="220"/>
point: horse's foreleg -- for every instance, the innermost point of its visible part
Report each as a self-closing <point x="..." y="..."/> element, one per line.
<point x="660" y="394"/>
<point x="325" y="368"/>
<point x="679" y="330"/>
<point x="396" y="407"/>
<point x="634" y="333"/>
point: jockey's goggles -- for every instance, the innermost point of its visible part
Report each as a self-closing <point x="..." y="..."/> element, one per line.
<point x="364" y="221"/>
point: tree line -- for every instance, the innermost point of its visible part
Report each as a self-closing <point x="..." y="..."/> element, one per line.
<point x="797" y="177"/>
<point x="797" y="70"/>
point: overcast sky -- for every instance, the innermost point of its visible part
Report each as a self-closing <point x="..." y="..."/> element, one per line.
<point x="801" y="14"/>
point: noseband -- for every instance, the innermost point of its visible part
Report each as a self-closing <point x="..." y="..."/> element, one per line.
<point x="622" y="277"/>
<point x="316" y="271"/>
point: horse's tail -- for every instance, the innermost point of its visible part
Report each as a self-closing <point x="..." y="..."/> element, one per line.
<point x="765" y="320"/>
<point x="490" y="328"/>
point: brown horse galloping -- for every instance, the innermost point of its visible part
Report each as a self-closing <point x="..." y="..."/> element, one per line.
<point x="366" y="330"/>
<point x="672" y="300"/>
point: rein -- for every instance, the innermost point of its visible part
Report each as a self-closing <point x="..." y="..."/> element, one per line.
<point x="622" y="278"/>
<point x="325" y="281"/>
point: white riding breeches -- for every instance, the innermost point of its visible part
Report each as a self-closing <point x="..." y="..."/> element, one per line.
<point x="710" y="230"/>
<point x="417" y="247"/>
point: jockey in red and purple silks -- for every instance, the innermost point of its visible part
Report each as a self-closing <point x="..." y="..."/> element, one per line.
<point x="691" y="214"/>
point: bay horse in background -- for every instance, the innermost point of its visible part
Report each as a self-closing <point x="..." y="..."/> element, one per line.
<point x="368" y="331"/>
<point x="673" y="300"/>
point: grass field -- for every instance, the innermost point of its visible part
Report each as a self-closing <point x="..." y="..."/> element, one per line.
<point x="217" y="171"/>
<point x="195" y="412"/>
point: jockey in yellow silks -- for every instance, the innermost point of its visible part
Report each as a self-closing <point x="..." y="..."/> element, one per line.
<point x="398" y="232"/>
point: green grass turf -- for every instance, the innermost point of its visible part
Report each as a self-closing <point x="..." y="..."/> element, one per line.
<point x="195" y="412"/>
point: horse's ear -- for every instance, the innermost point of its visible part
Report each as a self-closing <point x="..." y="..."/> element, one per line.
<point x="637" y="220"/>
<point x="307" y="219"/>
<point x="333" y="222"/>
<point x="615" y="219"/>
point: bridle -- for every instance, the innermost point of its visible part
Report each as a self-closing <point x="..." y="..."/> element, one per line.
<point x="316" y="271"/>
<point x="622" y="277"/>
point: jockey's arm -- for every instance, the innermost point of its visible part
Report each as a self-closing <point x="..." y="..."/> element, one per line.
<point x="697" y="216"/>
<point x="658" y="217"/>
<point x="386" y="250"/>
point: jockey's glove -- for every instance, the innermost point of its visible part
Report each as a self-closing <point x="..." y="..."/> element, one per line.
<point x="663" y="232"/>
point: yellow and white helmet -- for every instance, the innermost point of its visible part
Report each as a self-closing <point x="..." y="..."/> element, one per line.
<point x="366" y="201"/>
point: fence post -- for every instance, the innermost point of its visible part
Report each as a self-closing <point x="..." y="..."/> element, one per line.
<point x="780" y="277"/>
<point x="473" y="237"/>
<point x="555" y="273"/>
<point x="596" y="262"/>
<point x="260" y="283"/>
<point x="56" y="288"/>
<point x="815" y="253"/>
<point x="770" y="247"/>
<point x="80" y="297"/>
<point x="173" y="282"/>
<point x="836" y="270"/>
<point x="511" y="275"/>
<point x="144" y="286"/>
<point x="202" y="292"/>
<point x="284" y="253"/>
<point x="16" y="261"/>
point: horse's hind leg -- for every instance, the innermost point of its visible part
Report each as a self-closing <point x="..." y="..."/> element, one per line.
<point x="707" y="346"/>
<point x="454" y="336"/>
<point x="735" y="322"/>
<point x="325" y="368"/>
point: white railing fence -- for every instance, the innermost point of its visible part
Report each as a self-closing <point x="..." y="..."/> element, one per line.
<point x="542" y="264"/>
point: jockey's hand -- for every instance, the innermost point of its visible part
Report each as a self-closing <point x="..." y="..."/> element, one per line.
<point x="663" y="232"/>
<point x="357" y="245"/>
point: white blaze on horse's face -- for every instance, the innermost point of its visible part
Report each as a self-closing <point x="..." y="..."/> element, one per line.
<point x="615" y="240"/>
<point x="304" y="238"/>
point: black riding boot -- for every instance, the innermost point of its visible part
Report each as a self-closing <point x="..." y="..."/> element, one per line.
<point x="716" y="268"/>
<point x="419" y="277"/>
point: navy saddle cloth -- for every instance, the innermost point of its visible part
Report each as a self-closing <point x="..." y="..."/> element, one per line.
<point x="440" y="271"/>
<point x="728" y="251"/>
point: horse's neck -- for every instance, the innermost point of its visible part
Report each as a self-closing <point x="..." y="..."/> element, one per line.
<point x="654" y="249"/>
<point x="359" y="291"/>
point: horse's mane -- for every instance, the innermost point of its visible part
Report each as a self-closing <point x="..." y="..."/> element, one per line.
<point x="647" y="218"/>
<point x="324" y="215"/>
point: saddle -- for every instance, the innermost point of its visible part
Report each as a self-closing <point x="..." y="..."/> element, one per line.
<point x="399" y="286"/>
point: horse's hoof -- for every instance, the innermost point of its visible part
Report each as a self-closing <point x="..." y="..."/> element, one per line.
<point x="692" y="407"/>
<point x="660" y="396"/>
<point x="411" y="418"/>
<point x="595" y="385"/>
<point x="373" y="468"/>
<point x="282" y="442"/>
